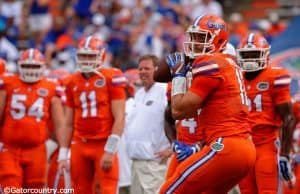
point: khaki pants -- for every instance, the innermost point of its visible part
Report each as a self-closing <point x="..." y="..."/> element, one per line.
<point x="235" y="190"/>
<point x="147" y="176"/>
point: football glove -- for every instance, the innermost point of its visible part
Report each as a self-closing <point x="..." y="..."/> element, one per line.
<point x="285" y="169"/>
<point x="176" y="63"/>
<point x="183" y="150"/>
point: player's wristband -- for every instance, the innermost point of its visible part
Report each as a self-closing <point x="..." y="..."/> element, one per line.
<point x="63" y="154"/>
<point x="178" y="85"/>
<point x="112" y="144"/>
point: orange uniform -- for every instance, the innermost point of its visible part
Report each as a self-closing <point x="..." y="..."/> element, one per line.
<point x="219" y="165"/>
<point x="268" y="89"/>
<point x="91" y="101"/>
<point x="186" y="132"/>
<point x="24" y="131"/>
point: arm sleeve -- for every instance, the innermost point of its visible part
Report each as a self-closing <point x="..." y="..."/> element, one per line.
<point x="69" y="96"/>
<point x="281" y="89"/>
<point x="117" y="85"/>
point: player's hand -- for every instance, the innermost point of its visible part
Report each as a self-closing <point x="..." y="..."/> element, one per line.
<point x="63" y="164"/>
<point x="106" y="161"/>
<point x="183" y="150"/>
<point x="176" y="63"/>
<point x="286" y="172"/>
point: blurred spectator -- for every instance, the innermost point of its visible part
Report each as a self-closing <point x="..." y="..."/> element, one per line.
<point x="237" y="28"/>
<point x="7" y="50"/>
<point x="206" y="6"/>
<point x="82" y="8"/>
<point x="40" y="18"/>
<point x="276" y="26"/>
<point x="98" y="27"/>
<point x="63" y="61"/>
<point x="150" y="43"/>
<point x="11" y="9"/>
<point x="147" y="144"/>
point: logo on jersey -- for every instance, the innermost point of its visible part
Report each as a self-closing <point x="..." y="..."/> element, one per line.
<point x="262" y="86"/>
<point x="217" y="146"/>
<point x="99" y="83"/>
<point x="42" y="92"/>
<point x="149" y="103"/>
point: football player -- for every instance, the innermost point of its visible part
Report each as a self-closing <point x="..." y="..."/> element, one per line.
<point x="217" y="88"/>
<point x="95" y="119"/>
<point x="27" y="101"/>
<point x="185" y="135"/>
<point x="268" y="91"/>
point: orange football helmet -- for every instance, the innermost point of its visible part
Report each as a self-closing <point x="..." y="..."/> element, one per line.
<point x="253" y="52"/>
<point x="90" y="54"/>
<point x="31" y="65"/>
<point x="2" y="66"/>
<point x="208" y="34"/>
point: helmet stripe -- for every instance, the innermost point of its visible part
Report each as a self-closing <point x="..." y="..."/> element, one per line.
<point x="197" y="20"/>
<point x="87" y="42"/>
<point x="250" y="38"/>
<point x="31" y="53"/>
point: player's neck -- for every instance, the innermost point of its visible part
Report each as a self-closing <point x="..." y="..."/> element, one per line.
<point x="252" y="75"/>
<point x="87" y="75"/>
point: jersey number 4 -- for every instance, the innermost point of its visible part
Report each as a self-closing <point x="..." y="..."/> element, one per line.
<point x="18" y="108"/>
<point x="189" y="123"/>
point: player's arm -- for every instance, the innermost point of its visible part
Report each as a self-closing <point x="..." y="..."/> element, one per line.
<point x="170" y="129"/>
<point x="186" y="104"/>
<point x="64" y="133"/>
<point x="64" y="136"/>
<point x="118" y="112"/>
<point x="286" y="113"/>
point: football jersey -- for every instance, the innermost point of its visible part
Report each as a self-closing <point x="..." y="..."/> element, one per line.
<point x="187" y="130"/>
<point x="219" y="82"/>
<point x="270" y="88"/>
<point x="91" y="101"/>
<point x="27" y="110"/>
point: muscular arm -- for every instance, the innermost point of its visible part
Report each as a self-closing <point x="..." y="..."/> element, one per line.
<point x="289" y="122"/>
<point x="185" y="106"/>
<point x="170" y="129"/>
<point x="2" y="104"/>
<point x="64" y="135"/>
<point x="118" y="111"/>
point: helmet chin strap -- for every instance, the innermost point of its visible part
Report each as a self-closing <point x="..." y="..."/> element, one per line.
<point x="98" y="73"/>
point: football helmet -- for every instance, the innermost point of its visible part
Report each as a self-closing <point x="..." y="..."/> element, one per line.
<point x="208" y="34"/>
<point x="253" y="52"/>
<point x="90" y="54"/>
<point x="31" y="65"/>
